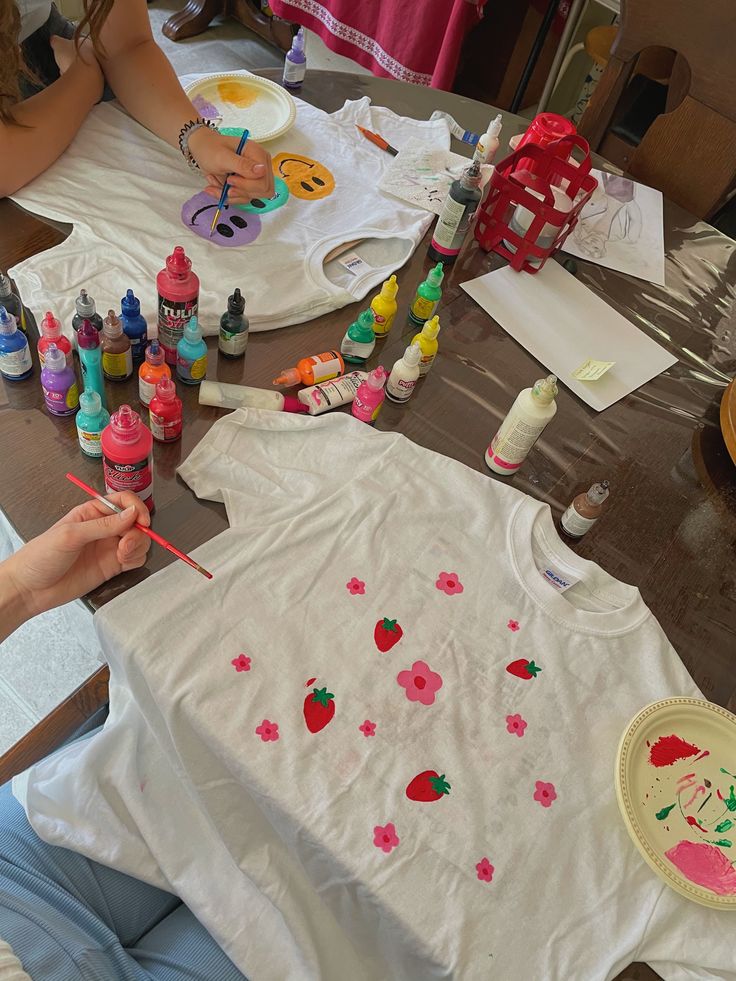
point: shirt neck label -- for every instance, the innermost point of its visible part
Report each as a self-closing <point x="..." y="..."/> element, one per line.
<point x="557" y="578"/>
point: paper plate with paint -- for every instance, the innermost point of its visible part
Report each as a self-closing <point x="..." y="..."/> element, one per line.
<point x="676" y="787"/>
<point x="242" y="101"/>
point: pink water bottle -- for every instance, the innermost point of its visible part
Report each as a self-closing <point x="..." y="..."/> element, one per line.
<point x="370" y="395"/>
<point x="178" y="301"/>
<point x="126" y="455"/>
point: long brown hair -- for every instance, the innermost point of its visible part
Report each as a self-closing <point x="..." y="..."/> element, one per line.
<point x="12" y="65"/>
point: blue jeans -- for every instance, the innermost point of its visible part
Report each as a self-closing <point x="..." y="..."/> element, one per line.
<point x="69" y="919"/>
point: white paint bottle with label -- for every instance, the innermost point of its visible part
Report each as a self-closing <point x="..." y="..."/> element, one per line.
<point x="585" y="510"/>
<point x="404" y="375"/>
<point x="533" y="409"/>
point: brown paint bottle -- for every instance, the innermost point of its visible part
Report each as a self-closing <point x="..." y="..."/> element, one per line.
<point x="585" y="510"/>
<point x="117" y="357"/>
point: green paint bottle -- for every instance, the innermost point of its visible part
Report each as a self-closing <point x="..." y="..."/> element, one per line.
<point x="427" y="297"/>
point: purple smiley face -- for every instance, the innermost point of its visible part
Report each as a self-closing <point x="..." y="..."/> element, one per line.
<point x="233" y="228"/>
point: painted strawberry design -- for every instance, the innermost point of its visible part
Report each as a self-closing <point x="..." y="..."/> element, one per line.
<point x="428" y="786"/>
<point x="319" y="709"/>
<point x="387" y="634"/>
<point x="523" y="669"/>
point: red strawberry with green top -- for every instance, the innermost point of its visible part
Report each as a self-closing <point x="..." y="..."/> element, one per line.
<point x="428" y="786"/>
<point x="319" y="709"/>
<point x="523" y="669"/>
<point x="387" y="634"/>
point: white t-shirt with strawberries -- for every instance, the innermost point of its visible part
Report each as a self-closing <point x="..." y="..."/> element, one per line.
<point x="380" y="744"/>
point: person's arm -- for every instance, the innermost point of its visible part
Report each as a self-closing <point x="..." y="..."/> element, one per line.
<point x="84" y="549"/>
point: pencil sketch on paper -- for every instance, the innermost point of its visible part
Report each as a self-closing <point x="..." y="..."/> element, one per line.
<point x="621" y="228"/>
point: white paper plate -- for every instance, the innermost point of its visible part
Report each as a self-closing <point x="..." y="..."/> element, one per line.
<point x="676" y="787"/>
<point x="244" y="102"/>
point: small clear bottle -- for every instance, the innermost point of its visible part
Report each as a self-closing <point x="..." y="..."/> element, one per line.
<point x="585" y="510"/>
<point x="404" y="375"/>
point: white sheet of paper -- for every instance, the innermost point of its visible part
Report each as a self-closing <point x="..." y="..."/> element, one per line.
<point x="561" y="322"/>
<point x="422" y="176"/>
<point x="621" y="228"/>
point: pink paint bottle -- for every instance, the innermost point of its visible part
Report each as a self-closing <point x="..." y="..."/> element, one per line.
<point x="50" y="330"/>
<point x="370" y="395"/>
<point x="126" y="455"/>
<point x="178" y="301"/>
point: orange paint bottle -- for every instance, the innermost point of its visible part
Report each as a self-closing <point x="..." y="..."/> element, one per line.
<point x="153" y="369"/>
<point x="313" y="370"/>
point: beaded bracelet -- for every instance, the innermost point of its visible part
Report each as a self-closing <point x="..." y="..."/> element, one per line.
<point x="186" y="132"/>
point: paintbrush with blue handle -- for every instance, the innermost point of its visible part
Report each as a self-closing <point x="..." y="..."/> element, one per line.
<point x="226" y="187"/>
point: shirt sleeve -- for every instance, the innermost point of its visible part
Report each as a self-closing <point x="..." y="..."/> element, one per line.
<point x="688" y="942"/>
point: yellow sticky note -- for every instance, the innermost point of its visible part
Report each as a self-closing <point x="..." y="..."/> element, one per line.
<point x="591" y="370"/>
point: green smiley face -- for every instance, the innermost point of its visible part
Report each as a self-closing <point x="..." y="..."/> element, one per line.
<point x="261" y="206"/>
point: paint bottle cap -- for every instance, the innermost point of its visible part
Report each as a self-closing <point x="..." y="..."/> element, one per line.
<point x="192" y="331"/>
<point x="297" y="42"/>
<point x="5" y="288"/>
<point x="436" y="275"/>
<point x="545" y="389"/>
<point x="470" y="177"/>
<point x="412" y="355"/>
<point x="125" y="424"/>
<point x="289" y="376"/>
<point x="390" y="288"/>
<point x="236" y="303"/>
<point x="362" y="330"/>
<point x="165" y="390"/>
<point x="377" y="378"/>
<point x="431" y="328"/>
<point x="111" y="326"/>
<point x="50" y="326"/>
<point x="292" y="404"/>
<point x="7" y="322"/>
<point x="55" y="359"/>
<point x="130" y="305"/>
<point x="178" y="264"/>
<point x="85" y="304"/>
<point x="154" y="353"/>
<point x="88" y="336"/>
<point x="90" y="402"/>
<point x="598" y="493"/>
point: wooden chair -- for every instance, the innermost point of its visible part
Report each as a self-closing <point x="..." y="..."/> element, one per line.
<point x="689" y="151"/>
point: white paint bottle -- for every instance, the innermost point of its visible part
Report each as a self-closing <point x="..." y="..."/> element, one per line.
<point x="522" y="427"/>
<point x="404" y="375"/>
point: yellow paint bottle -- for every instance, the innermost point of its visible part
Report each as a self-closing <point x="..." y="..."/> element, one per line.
<point x="384" y="307"/>
<point x="426" y="341"/>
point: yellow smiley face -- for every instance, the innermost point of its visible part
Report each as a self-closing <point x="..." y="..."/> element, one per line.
<point x="306" y="178"/>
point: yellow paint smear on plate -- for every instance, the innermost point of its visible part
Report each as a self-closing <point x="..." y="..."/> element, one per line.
<point x="237" y="94"/>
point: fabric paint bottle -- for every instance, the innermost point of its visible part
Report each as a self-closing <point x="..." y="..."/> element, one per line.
<point x="117" y="360"/>
<point x="457" y="213"/>
<point x="59" y="383"/>
<point x="12" y="302"/>
<point x="487" y="146"/>
<point x="50" y="330"/>
<point x="126" y="455"/>
<point x="165" y="412"/>
<point x="331" y="394"/>
<point x="90" y="359"/>
<point x="404" y="375"/>
<point x="150" y="373"/>
<point x="522" y="427"/>
<point x="86" y="310"/>
<point x="134" y="325"/>
<point x="427" y="341"/>
<point x="178" y="301"/>
<point x="360" y="339"/>
<point x="585" y="510"/>
<point x="15" y="355"/>
<point x="313" y="370"/>
<point x="91" y="420"/>
<point x="384" y="307"/>
<point x="240" y="396"/>
<point x="295" y="65"/>
<point x="191" y="355"/>
<point x="234" y="327"/>
<point x="427" y="297"/>
<point x="370" y="396"/>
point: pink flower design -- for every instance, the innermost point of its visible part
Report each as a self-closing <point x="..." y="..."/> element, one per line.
<point x="545" y="793"/>
<point x="356" y="587"/>
<point x="420" y="683"/>
<point x="485" y="870"/>
<point x="449" y="583"/>
<point x="368" y="728"/>
<point x="268" y="731"/>
<point x="516" y="725"/>
<point x="513" y="625"/>
<point x="241" y="662"/>
<point x="385" y="837"/>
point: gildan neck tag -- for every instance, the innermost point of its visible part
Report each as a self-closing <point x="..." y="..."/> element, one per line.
<point x="557" y="577"/>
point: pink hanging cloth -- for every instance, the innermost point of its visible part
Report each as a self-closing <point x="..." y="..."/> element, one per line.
<point x="412" y="41"/>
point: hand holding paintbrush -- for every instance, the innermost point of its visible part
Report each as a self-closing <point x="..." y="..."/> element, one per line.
<point x="226" y="185"/>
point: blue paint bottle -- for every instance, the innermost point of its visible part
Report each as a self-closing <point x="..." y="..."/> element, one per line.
<point x="191" y="355"/>
<point x="90" y="359"/>
<point x="15" y="355"/>
<point x="134" y="325"/>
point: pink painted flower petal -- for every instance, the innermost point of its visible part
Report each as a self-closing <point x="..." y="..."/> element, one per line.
<point x="448" y="582"/>
<point x="356" y="586"/>
<point x="485" y="870"/>
<point x="385" y="837"/>
<point x="545" y="793"/>
<point x="513" y="625"/>
<point x="515" y="724"/>
<point x="241" y="662"/>
<point x="421" y="683"/>
<point x="368" y="728"/>
<point x="268" y="731"/>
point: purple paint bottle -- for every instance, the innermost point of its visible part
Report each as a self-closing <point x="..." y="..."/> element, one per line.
<point x="59" y="384"/>
<point x="295" y="65"/>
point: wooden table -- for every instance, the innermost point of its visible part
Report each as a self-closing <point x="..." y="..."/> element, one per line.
<point x="671" y="525"/>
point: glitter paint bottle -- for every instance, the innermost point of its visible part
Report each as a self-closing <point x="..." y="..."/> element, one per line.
<point x="178" y="301"/>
